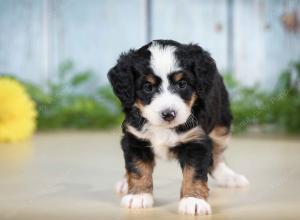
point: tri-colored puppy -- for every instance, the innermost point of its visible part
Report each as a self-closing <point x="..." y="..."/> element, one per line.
<point x="176" y="107"/>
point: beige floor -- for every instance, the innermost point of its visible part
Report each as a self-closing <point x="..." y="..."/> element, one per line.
<point x="71" y="175"/>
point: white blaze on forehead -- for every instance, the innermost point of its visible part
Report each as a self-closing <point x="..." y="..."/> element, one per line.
<point x="163" y="60"/>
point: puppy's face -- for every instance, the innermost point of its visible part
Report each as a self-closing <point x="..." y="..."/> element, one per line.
<point x="163" y="80"/>
<point x="166" y="93"/>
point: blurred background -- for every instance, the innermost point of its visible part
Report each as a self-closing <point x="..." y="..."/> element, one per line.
<point x="61" y="51"/>
<point x="54" y="57"/>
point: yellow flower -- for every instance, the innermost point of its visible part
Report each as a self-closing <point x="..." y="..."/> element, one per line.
<point x="17" y="112"/>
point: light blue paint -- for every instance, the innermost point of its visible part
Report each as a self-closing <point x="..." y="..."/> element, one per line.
<point x="193" y="21"/>
<point x="91" y="33"/>
<point x="21" y="38"/>
<point x="263" y="47"/>
<point x="37" y="35"/>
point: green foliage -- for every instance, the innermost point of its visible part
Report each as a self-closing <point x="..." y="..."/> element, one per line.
<point x="279" y="107"/>
<point x="286" y="110"/>
<point x="73" y="100"/>
<point x="63" y="103"/>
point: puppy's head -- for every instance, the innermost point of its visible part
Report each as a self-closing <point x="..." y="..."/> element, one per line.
<point x="163" y="79"/>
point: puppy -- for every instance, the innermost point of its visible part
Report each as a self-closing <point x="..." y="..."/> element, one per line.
<point x="176" y="107"/>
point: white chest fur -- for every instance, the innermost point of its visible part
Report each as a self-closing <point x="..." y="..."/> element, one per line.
<point x="162" y="139"/>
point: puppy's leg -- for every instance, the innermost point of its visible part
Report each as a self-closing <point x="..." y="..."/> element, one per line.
<point x="223" y="175"/>
<point x="195" y="159"/>
<point x="139" y="162"/>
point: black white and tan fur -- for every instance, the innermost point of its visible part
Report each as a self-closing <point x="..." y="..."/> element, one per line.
<point x="176" y="107"/>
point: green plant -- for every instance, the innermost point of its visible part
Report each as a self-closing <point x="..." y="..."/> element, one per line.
<point x="72" y="99"/>
<point x="279" y="107"/>
<point x="286" y="110"/>
<point x="64" y="103"/>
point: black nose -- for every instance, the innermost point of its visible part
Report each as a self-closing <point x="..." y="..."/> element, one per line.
<point x="168" y="115"/>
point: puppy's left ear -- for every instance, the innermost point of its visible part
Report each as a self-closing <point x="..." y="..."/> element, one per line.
<point x="202" y="65"/>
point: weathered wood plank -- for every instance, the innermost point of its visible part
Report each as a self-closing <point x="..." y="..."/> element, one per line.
<point x="198" y="21"/>
<point x="21" y="38"/>
<point x="37" y="35"/>
<point x="263" y="46"/>
<point x="94" y="33"/>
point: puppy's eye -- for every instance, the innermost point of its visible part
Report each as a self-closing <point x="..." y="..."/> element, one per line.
<point x="148" y="87"/>
<point x="182" y="84"/>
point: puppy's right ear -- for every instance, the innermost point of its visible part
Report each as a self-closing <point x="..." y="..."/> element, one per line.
<point x="122" y="80"/>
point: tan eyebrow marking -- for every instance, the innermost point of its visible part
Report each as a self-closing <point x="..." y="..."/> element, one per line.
<point x="178" y="76"/>
<point x="151" y="79"/>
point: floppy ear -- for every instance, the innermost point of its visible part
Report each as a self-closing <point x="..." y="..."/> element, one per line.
<point x="202" y="65"/>
<point x="122" y="80"/>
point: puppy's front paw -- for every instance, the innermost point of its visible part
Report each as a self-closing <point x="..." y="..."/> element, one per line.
<point x="122" y="187"/>
<point x="136" y="201"/>
<point x="194" y="206"/>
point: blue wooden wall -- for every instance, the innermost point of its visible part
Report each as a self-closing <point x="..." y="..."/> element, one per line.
<point x="246" y="36"/>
